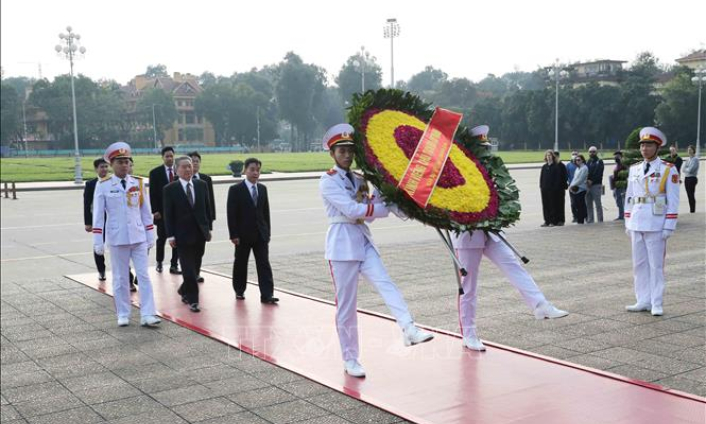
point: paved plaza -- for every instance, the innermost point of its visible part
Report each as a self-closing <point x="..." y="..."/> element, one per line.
<point x="65" y="360"/>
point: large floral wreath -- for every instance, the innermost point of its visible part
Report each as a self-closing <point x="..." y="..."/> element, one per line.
<point x="474" y="190"/>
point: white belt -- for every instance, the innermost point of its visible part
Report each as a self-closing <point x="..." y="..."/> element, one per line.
<point x="648" y="199"/>
<point x="340" y="219"/>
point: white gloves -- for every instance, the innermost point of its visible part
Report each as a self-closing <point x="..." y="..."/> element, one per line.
<point x="99" y="249"/>
<point x="666" y="234"/>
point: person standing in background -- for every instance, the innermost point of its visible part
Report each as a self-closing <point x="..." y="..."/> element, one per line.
<point x="594" y="185"/>
<point x="691" y="172"/>
<point x="160" y="177"/>
<point x="577" y="189"/>
<point x="618" y="192"/>
<point x="675" y="158"/>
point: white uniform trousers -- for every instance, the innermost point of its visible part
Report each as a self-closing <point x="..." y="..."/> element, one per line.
<point x="507" y="262"/>
<point x="120" y="258"/>
<point x="345" y="280"/>
<point x="648" y="251"/>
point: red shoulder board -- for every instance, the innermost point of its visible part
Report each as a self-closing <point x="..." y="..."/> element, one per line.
<point x="331" y="172"/>
<point x="675" y="178"/>
<point x="669" y="164"/>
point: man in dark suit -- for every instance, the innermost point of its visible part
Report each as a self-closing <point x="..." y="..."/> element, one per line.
<point x="101" y="167"/>
<point x="188" y="225"/>
<point x="249" y="228"/>
<point x="160" y="177"/>
<point x="196" y="164"/>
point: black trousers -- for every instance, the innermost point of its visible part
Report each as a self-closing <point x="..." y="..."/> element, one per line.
<point x="262" y="262"/>
<point x="578" y="204"/>
<point x="690" y="186"/>
<point x="161" y="241"/>
<point x="553" y="206"/>
<point x="190" y="257"/>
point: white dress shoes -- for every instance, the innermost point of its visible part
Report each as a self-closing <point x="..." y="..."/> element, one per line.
<point x="413" y="335"/>
<point x="353" y="368"/>
<point x="149" y="321"/>
<point x="657" y="311"/>
<point x="547" y="310"/>
<point x="638" y="307"/>
<point x="473" y="343"/>
<point x="123" y="321"/>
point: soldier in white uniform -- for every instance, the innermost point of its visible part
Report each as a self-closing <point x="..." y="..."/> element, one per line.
<point x="470" y="248"/>
<point x="350" y="249"/>
<point x="129" y="233"/>
<point x="651" y="211"/>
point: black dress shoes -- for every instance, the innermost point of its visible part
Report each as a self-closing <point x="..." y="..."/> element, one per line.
<point x="240" y="296"/>
<point x="101" y="276"/>
<point x="199" y="279"/>
<point x="159" y="267"/>
<point x="174" y="270"/>
<point x="194" y="307"/>
<point x="269" y="300"/>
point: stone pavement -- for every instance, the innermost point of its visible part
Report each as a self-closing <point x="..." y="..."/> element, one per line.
<point x="64" y="360"/>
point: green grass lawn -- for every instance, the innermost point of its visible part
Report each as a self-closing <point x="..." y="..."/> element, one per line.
<point x="62" y="169"/>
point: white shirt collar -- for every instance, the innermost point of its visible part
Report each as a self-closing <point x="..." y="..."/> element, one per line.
<point x="249" y="184"/>
<point x="184" y="183"/>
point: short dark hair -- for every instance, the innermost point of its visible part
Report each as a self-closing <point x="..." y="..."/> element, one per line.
<point x="166" y="149"/>
<point x="583" y="159"/>
<point x="98" y="162"/>
<point x="250" y="161"/>
<point x="556" y="153"/>
<point x="194" y="154"/>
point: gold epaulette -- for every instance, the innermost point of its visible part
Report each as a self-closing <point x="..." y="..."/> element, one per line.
<point x="670" y="164"/>
<point x="331" y="171"/>
<point x="637" y="163"/>
<point x="106" y="178"/>
<point x="136" y="177"/>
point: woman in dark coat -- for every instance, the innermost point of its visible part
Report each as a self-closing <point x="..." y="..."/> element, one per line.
<point x="552" y="184"/>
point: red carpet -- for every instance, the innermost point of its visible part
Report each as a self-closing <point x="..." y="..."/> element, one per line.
<point x="436" y="382"/>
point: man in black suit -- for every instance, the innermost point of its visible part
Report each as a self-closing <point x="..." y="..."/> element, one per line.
<point x="188" y="225"/>
<point x="160" y="177"/>
<point x="196" y="163"/>
<point x="249" y="228"/>
<point x="101" y="167"/>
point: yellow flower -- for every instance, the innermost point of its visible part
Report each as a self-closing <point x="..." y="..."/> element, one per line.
<point x="471" y="197"/>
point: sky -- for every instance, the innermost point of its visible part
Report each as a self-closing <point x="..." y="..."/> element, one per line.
<point x="463" y="38"/>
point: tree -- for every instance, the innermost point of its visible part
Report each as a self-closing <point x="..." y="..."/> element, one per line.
<point x="676" y="115"/>
<point x="165" y="112"/>
<point x="299" y="87"/>
<point x="457" y="93"/>
<point x="492" y="86"/>
<point x="99" y="110"/>
<point x="427" y="80"/>
<point x="9" y="114"/>
<point x="349" y="78"/>
<point x="158" y="70"/>
<point x="638" y="101"/>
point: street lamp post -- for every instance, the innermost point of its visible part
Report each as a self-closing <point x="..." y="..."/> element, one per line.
<point x="699" y="79"/>
<point x="71" y="50"/>
<point x="360" y="64"/>
<point x="556" y="74"/>
<point x="392" y="30"/>
<point x="154" y="127"/>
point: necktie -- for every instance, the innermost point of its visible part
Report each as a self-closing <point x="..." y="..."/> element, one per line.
<point x="189" y="194"/>
<point x="171" y="175"/>
<point x="254" y="194"/>
<point x="123" y="183"/>
<point x="350" y="177"/>
<point x="647" y="168"/>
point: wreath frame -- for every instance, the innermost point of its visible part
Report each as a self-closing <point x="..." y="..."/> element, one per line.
<point x="508" y="195"/>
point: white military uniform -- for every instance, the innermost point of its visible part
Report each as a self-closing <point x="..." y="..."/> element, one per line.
<point x="129" y="233"/>
<point x="470" y="248"/>
<point x="350" y="251"/>
<point x="651" y="207"/>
